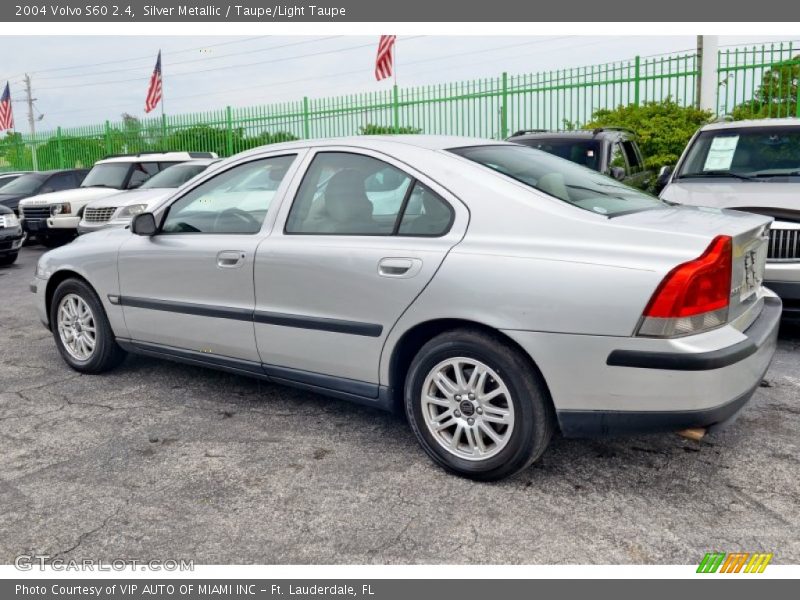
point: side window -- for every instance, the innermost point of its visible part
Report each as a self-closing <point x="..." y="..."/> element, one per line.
<point x="632" y="156"/>
<point x="235" y="201"/>
<point x="141" y="172"/>
<point x="60" y="181"/>
<point x="617" y="158"/>
<point x="348" y="194"/>
<point x="426" y="213"/>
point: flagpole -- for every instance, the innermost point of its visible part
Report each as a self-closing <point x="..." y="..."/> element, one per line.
<point x="394" y="61"/>
<point x="163" y="116"/>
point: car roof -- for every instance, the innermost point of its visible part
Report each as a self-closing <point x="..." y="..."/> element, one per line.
<point x="156" y="156"/>
<point x="382" y="142"/>
<point x="571" y="133"/>
<point x="782" y="122"/>
<point x="196" y="161"/>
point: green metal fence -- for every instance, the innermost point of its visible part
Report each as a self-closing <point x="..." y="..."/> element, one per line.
<point x="487" y="108"/>
<point x="759" y="82"/>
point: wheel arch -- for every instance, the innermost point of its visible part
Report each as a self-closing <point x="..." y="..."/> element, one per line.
<point x="54" y="281"/>
<point x="412" y="340"/>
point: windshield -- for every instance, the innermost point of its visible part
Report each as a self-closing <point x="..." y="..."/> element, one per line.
<point x="174" y="176"/>
<point x="571" y="183"/>
<point x="582" y="152"/>
<point x="761" y="153"/>
<point x="24" y="184"/>
<point x="110" y="175"/>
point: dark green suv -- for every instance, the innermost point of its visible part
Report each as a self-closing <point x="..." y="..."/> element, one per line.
<point x="609" y="150"/>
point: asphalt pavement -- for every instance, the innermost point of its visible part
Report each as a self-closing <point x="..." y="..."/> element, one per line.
<point x="158" y="460"/>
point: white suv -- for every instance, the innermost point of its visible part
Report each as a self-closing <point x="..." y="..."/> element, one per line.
<point x="54" y="217"/>
<point x="752" y="166"/>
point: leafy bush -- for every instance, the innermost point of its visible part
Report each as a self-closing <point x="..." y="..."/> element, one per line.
<point x="664" y="128"/>
<point x="371" y="129"/>
<point x="776" y="96"/>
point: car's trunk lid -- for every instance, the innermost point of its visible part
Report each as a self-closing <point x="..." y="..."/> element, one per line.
<point x="749" y="232"/>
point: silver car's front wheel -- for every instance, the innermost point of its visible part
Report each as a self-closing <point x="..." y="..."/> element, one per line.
<point x="76" y="327"/>
<point x="467" y="408"/>
<point x="81" y="329"/>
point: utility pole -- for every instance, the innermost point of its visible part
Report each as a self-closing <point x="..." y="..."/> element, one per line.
<point x="708" y="65"/>
<point x="31" y="120"/>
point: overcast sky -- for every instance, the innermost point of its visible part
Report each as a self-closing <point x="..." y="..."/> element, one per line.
<point x="88" y="79"/>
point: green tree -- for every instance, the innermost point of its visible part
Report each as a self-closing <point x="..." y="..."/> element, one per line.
<point x="776" y="96"/>
<point x="663" y="128"/>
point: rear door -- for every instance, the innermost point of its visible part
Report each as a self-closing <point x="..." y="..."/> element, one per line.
<point x="358" y="238"/>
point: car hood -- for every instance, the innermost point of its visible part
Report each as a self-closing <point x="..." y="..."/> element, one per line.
<point x="149" y="196"/>
<point x="10" y="199"/>
<point x="771" y="198"/>
<point x="86" y="194"/>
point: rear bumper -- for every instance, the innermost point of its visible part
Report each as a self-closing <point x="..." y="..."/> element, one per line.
<point x="608" y="385"/>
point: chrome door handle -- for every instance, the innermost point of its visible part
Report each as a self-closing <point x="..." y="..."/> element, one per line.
<point x="399" y="267"/>
<point x="228" y="259"/>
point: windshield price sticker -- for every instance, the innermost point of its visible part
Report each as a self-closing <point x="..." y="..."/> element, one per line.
<point x="720" y="154"/>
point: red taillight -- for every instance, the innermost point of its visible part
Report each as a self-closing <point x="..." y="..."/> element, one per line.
<point x="699" y="286"/>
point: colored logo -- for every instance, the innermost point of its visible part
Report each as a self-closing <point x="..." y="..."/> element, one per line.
<point x="735" y="562"/>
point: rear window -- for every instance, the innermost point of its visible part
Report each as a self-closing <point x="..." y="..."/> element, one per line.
<point x="576" y="185"/>
<point x="581" y="152"/>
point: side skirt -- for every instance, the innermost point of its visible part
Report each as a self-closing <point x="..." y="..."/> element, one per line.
<point x="360" y="392"/>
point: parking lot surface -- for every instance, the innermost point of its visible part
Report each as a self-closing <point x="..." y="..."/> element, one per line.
<point x="159" y="460"/>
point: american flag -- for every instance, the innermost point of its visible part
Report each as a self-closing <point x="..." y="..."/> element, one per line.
<point x="6" y="117"/>
<point x="154" y="91"/>
<point x="383" y="62"/>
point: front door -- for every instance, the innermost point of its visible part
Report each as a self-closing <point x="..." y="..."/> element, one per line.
<point x="361" y="239"/>
<point x="190" y="286"/>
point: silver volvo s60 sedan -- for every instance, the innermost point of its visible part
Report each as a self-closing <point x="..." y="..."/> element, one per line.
<point x="493" y="292"/>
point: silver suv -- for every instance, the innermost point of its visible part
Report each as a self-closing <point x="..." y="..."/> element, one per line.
<point x="752" y="166"/>
<point x="491" y="291"/>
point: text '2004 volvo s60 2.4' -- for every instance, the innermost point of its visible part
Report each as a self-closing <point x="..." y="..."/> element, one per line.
<point x="491" y="291"/>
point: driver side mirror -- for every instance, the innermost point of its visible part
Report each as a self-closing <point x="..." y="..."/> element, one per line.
<point x="617" y="173"/>
<point x="144" y="224"/>
<point x="663" y="178"/>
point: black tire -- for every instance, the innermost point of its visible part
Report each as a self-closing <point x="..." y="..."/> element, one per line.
<point x="106" y="354"/>
<point x="8" y="259"/>
<point x="534" y="417"/>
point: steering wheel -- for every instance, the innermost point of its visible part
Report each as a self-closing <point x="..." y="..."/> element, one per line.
<point x="252" y="224"/>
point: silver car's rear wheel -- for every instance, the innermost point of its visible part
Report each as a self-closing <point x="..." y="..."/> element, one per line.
<point x="467" y="408"/>
<point x="76" y="327"/>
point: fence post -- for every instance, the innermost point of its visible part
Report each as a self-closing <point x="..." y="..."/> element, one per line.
<point x="636" y="79"/>
<point x="108" y="138"/>
<point x="229" y="132"/>
<point x="60" y="146"/>
<point x="504" y="108"/>
<point x="306" y="119"/>
<point x="396" y="107"/>
<point x="797" y="97"/>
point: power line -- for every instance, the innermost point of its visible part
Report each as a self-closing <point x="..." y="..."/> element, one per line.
<point x="225" y="67"/>
<point x="193" y="60"/>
